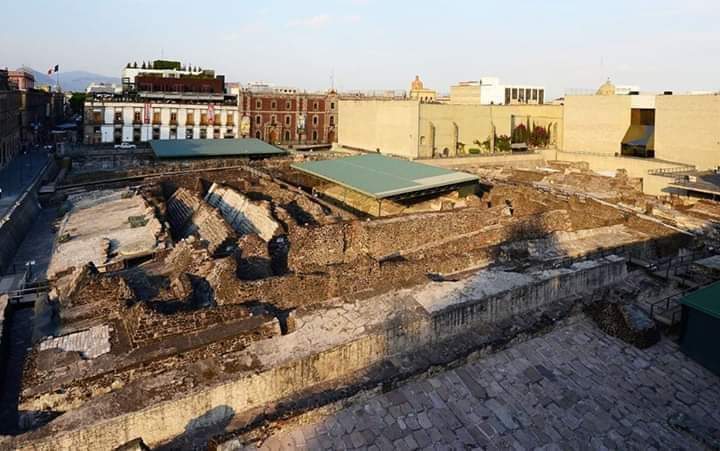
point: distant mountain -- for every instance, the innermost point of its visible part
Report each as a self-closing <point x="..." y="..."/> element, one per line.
<point x="76" y="80"/>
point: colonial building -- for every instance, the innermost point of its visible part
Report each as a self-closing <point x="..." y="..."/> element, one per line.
<point x="419" y="92"/>
<point x="284" y="116"/>
<point x="9" y="120"/>
<point x="163" y="100"/>
<point x="40" y="109"/>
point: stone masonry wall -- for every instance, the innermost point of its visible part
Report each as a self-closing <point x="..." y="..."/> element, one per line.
<point x="221" y="403"/>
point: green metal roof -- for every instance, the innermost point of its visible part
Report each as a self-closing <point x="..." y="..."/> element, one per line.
<point x="189" y="148"/>
<point x="707" y="300"/>
<point x="380" y="177"/>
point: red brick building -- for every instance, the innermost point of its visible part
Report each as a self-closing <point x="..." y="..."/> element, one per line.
<point x="284" y="116"/>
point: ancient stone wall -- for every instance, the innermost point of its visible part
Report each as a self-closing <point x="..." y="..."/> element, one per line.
<point x="223" y="402"/>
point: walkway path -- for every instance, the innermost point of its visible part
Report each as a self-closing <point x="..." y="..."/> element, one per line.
<point x="575" y="387"/>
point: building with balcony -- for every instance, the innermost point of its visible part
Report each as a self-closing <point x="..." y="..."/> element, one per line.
<point x="286" y="116"/>
<point x="162" y="100"/>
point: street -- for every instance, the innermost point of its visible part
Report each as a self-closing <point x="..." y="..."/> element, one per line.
<point x="16" y="176"/>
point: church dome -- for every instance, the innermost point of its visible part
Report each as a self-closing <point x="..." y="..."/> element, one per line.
<point x="417" y="84"/>
<point x="606" y="89"/>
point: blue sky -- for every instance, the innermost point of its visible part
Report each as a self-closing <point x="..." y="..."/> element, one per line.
<point x="374" y="44"/>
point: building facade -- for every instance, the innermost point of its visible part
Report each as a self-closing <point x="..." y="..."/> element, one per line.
<point x="415" y="129"/>
<point x="418" y="91"/>
<point x="10" y="142"/>
<point x="284" y="116"/>
<point x="489" y="91"/>
<point x="162" y="100"/>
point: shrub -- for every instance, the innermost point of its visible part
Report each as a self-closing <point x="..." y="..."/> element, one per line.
<point x="474" y="150"/>
<point x="502" y="143"/>
<point x="137" y="221"/>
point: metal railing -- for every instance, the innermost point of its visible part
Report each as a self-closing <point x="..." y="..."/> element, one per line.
<point x="667" y="305"/>
<point x="672" y="170"/>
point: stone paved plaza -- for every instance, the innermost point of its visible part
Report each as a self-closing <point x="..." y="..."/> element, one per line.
<point x="574" y="388"/>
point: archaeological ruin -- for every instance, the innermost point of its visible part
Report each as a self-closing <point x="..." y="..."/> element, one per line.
<point x="205" y="303"/>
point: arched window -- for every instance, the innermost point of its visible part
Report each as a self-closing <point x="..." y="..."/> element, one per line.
<point x="273" y="104"/>
<point x="314" y="135"/>
<point x="315" y="105"/>
<point x="332" y="120"/>
<point x="258" y="135"/>
<point x="287" y="120"/>
<point x="288" y="105"/>
<point x="258" y="104"/>
<point x="258" y="119"/>
<point x="315" y="120"/>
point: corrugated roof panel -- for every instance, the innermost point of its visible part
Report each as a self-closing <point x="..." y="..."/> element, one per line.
<point x="380" y="177"/>
<point x="199" y="148"/>
<point x="707" y="300"/>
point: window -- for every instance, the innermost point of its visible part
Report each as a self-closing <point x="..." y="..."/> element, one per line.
<point x="507" y="95"/>
<point x="203" y="133"/>
<point x="521" y="96"/>
<point x="258" y="104"/>
<point x="273" y="104"/>
<point x="332" y="121"/>
<point x="136" y="117"/>
<point x="314" y="135"/>
<point x="287" y="121"/>
<point x="287" y="135"/>
<point x="514" y="94"/>
<point x="118" y="116"/>
<point x="258" y="119"/>
<point x="273" y="120"/>
<point x="315" y="105"/>
<point x="315" y="120"/>
<point x="332" y="105"/>
<point x="534" y="94"/>
<point x="173" y="118"/>
<point x="190" y="119"/>
<point x="258" y="135"/>
<point x="288" y="105"/>
<point x="541" y="97"/>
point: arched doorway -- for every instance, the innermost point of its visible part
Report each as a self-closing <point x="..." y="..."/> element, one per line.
<point x="331" y="136"/>
<point x="273" y="137"/>
<point x="287" y="136"/>
<point x="258" y="135"/>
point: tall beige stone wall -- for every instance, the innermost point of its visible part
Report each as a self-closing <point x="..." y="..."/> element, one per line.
<point x="596" y="124"/>
<point x="687" y="129"/>
<point x="442" y="126"/>
<point x="388" y="125"/>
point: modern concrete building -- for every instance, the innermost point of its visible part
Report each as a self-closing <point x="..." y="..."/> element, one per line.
<point x="642" y="132"/>
<point x="413" y="129"/>
<point x="489" y="91"/>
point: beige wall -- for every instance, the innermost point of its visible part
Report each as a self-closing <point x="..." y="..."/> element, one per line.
<point x="460" y="94"/>
<point x="687" y="129"/>
<point x="596" y="124"/>
<point x="388" y="125"/>
<point x="474" y="123"/>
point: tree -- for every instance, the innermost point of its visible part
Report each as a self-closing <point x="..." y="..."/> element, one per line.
<point x="77" y="102"/>
<point x="128" y="66"/>
<point x="143" y="65"/>
<point x="135" y="65"/>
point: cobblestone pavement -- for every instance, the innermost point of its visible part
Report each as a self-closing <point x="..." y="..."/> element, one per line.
<point x="575" y="387"/>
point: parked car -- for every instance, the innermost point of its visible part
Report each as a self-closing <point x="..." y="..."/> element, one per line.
<point x="125" y="146"/>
